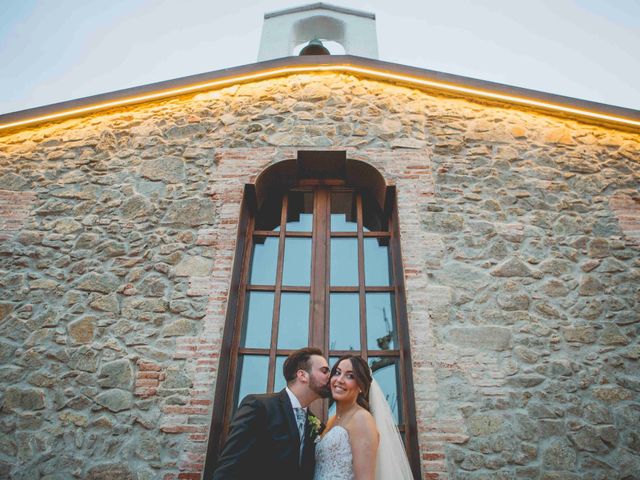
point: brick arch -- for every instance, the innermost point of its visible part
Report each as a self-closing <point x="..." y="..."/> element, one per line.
<point x="278" y="173"/>
<point x="321" y="165"/>
<point x="409" y="173"/>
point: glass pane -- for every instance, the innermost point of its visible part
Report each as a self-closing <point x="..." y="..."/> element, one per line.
<point x="264" y="261"/>
<point x="297" y="262"/>
<point x="332" y="404"/>
<point x="343" y="212"/>
<point x="381" y="321"/>
<point x="385" y="371"/>
<point x="373" y="219"/>
<point x="279" y="382"/>
<point x="377" y="264"/>
<point x="253" y="375"/>
<point x="268" y="217"/>
<point x="293" y="329"/>
<point x="332" y="361"/>
<point x="300" y="212"/>
<point x="344" y="324"/>
<point x="257" y="320"/>
<point x="344" y="262"/>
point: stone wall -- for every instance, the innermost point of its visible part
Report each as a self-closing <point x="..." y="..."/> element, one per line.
<point x="520" y="237"/>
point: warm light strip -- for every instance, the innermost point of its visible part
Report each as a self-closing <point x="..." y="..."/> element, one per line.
<point x="266" y="74"/>
<point x="497" y="96"/>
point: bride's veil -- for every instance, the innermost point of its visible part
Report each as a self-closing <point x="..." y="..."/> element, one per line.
<point x="392" y="460"/>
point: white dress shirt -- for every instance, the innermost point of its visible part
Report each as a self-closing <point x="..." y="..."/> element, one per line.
<point x="295" y="403"/>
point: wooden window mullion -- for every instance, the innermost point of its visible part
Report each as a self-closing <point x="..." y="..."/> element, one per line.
<point x="361" y="282"/>
<point x="277" y="295"/>
<point x="319" y="283"/>
<point x="235" y="342"/>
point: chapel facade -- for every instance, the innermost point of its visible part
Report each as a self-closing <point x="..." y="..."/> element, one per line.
<point x="163" y="248"/>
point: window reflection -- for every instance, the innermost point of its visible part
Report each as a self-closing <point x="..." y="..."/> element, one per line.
<point x="332" y="403"/>
<point x="297" y="262"/>
<point x="300" y="212"/>
<point x="381" y="321"/>
<point x="253" y="375"/>
<point x="373" y="218"/>
<point x="344" y="217"/>
<point x="377" y="262"/>
<point x="268" y="217"/>
<point x="293" y="329"/>
<point x="264" y="261"/>
<point x="385" y="371"/>
<point x="344" y="321"/>
<point x="279" y="380"/>
<point x="344" y="261"/>
<point x="257" y="322"/>
<point x="333" y="361"/>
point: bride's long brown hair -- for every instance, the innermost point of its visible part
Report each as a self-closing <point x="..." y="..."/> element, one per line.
<point x="362" y="374"/>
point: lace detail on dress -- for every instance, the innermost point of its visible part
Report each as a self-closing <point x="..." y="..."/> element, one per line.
<point x="333" y="456"/>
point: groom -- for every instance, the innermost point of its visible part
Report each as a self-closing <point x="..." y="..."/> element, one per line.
<point x="270" y="435"/>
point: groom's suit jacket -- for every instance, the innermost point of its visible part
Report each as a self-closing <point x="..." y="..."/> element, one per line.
<point x="264" y="442"/>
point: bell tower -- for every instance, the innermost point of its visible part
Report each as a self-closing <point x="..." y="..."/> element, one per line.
<point x="284" y="30"/>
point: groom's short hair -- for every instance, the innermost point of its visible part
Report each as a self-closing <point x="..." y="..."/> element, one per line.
<point x="299" y="360"/>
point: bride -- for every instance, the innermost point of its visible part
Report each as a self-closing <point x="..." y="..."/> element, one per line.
<point x="362" y="429"/>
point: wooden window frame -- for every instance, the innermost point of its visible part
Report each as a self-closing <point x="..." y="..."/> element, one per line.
<point x="319" y="297"/>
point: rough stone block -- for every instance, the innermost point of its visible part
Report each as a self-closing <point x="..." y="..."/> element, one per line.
<point x="612" y="394"/>
<point x="612" y="335"/>
<point x="116" y="374"/>
<point x="5" y="309"/>
<point x="24" y="398"/>
<point x="587" y="439"/>
<point x="513" y="267"/>
<point x="96" y="282"/>
<point x="582" y="334"/>
<point x="491" y="338"/>
<point x="167" y="169"/>
<point x="106" y="303"/>
<point x="111" y="471"/>
<point x="82" y="330"/>
<point x="559" y="455"/>
<point x="194" y="266"/>
<point x="115" y="400"/>
<point x="180" y="328"/>
<point x="136" y="206"/>
<point x="190" y="212"/>
<point x="484" y="424"/>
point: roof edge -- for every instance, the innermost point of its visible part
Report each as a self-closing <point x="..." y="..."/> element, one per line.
<point x="319" y="6"/>
<point x="428" y="80"/>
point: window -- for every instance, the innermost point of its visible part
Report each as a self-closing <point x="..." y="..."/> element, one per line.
<point x="318" y="264"/>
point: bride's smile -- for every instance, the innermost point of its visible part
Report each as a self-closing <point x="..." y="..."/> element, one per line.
<point x="344" y="386"/>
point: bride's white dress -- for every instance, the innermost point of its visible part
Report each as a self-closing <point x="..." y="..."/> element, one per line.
<point x="333" y="456"/>
<point x="334" y="460"/>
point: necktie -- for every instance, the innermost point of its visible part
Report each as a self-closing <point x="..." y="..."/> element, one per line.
<point x="301" y="419"/>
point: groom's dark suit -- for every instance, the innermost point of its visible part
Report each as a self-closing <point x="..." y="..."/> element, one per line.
<point x="264" y="442"/>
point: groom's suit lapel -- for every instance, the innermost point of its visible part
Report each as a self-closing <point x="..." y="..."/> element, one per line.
<point x="308" y="454"/>
<point x="307" y="426"/>
<point x="287" y="411"/>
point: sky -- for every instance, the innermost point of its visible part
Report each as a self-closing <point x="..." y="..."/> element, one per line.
<point x="57" y="50"/>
